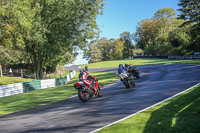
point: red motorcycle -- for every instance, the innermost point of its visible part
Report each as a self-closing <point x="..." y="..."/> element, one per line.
<point x="86" y="92"/>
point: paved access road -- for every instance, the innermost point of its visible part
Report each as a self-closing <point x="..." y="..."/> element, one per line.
<point x="157" y="83"/>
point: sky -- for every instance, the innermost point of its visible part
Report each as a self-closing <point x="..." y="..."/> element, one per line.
<point x="123" y="15"/>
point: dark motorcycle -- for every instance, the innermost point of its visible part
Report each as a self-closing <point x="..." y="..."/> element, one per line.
<point x="136" y="72"/>
<point x="127" y="79"/>
<point x="86" y="92"/>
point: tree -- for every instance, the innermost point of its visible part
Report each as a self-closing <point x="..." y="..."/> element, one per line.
<point x="106" y="46"/>
<point x="179" y="38"/>
<point x="162" y="34"/>
<point x="93" y="53"/>
<point x="8" y="56"/>
<point x="47" y="29"/>
<point x="118" y="49"/>
<point x="165" y="13"/>
<point x="191" y="13"/>
<point x="104" y="49"/>
<point x="126" y="37"/>
<point x="166" y="16"/>
<point x="147" y="32"/>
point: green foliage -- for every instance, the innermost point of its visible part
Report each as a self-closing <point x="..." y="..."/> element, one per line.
<point x="126" y="38"/>
<point x="137" y="51"/>
<point x="48" y="30"/>
<point x="162" y="35"/>
<point x="191" y="13"/>
<point x="165" y="13"/>
<point x="180" y="40"/>
<point x="104" y="49"/>
<point x="12" y="80"/>
<point x="112" y="49"/>
<point x="93" y="53"/>
<point x="118" y="49"/>
<point x="146" y="32"/>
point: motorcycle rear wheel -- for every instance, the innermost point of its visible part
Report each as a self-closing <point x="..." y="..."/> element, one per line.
<point x="83" y="96"/>
<point x="137" y="76"/>
<point x="99" y="92"/>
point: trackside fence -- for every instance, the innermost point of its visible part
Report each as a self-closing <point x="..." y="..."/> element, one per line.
<point x="185" y="57"/>
<point x="13" y="89"/>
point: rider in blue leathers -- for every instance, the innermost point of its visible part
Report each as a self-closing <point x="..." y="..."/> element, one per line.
<point x="120" y="69"/>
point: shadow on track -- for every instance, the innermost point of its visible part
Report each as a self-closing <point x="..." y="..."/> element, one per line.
<point x="180" y="115"/>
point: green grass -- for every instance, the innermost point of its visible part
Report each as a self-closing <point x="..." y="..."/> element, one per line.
<point x="23" y="101"/>
<point x="180" y="114"/>
<point x="12" y="80"/>
<point x="56" y="75"/>
<point x="146" y="61"/>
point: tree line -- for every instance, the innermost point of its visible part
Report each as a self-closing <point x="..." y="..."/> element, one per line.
<point x="111" y="49"/>
<point x="162" y="35"/>
<point x="45" y="33"/>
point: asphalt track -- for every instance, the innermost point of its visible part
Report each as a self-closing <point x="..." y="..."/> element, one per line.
<point x="157" y="83"/>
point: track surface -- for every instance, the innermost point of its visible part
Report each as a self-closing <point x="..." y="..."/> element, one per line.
<point x="157" y="83"/>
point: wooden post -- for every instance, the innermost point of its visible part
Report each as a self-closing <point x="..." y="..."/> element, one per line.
<point x="1" y="71"/>
<point x="6" y="71"/>
<point x="60" y="72"/>
<point x="21" y="73"/>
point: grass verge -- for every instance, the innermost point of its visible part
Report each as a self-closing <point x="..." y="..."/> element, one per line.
<point x="146" y="61"/>
<point x="180" y="114"/>
<point x="12" y="80"/>
<point x="35" y="98"/>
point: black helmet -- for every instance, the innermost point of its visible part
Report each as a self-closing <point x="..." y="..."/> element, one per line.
<point x="120" y="65"/>
<point x="82" y="70"/>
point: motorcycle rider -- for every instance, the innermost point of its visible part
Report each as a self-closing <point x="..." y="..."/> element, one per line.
<point x="120" y="69"/>
<point x="84" y="76"/>
<point x="134" y="71"/>
<point x="131" y="68"/>
<point x="126" y="67"/>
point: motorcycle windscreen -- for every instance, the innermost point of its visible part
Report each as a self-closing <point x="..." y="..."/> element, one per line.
<point x="123" y="75"/>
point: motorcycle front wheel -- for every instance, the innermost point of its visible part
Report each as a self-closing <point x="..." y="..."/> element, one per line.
<point x="126" y="83"/>
<point x="83" y="96"/>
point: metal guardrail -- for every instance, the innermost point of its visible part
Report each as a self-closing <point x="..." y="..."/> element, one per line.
<point x="32" y="85"/>
<point x="61" y="81"/>
<point x="47" y="83"/>
<point x="186" y="57"/>
<point x="12" y="89"/>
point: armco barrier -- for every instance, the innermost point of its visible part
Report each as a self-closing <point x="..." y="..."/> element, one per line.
<point x="68" y="79"/>
<point x="73" y="74"/>
<point x="70" y="76"/>
<point x="186" y="57"/>
<point x="48" y="83"/>
<point x="11" y="89"/>
<point x="61" y="81"/>
<point x="32" y="85"/>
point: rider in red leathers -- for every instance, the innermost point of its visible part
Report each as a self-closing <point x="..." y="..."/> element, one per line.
<point x="84" y="76"/>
